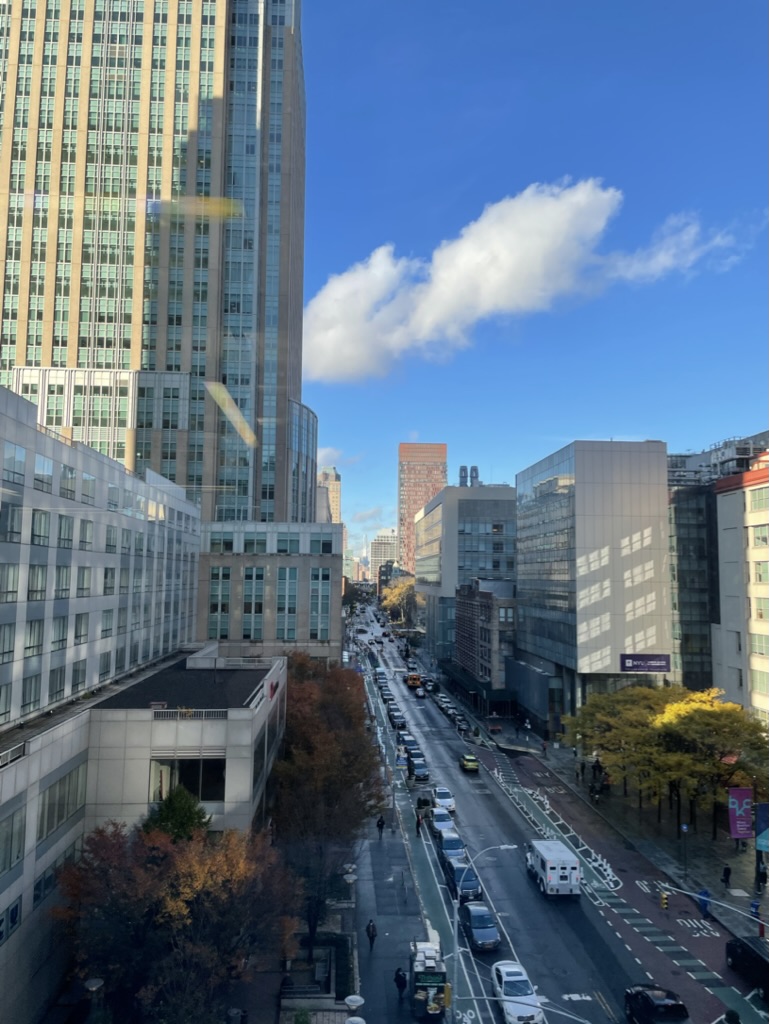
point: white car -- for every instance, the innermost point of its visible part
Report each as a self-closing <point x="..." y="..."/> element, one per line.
<point x="510" y="984"/>
<point x="444" y="798"/>
<point x="440" y="819"/>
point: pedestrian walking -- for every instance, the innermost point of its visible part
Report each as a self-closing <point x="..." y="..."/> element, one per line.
<point x="371" y="933"/>
<point x="401" y="981"/>
<point x="576" y="776"/>
<point x="544" y="748"/>
<point x="582" y="768"/>
<point x="761" y="878"/>
<point x="591" y="792"/>
<point x="726" y="876"/>
<point x="380" y="824"/>
<point x="419" y="825"/>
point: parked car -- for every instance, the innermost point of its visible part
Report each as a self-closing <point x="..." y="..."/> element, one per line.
<point x="480" y="926"/>
<point x="749" y="957"/>
<point x="461" y="723"/>
<point x="418" y="769"/>
<point x="438" y="819"/>
<point x="450" y="845"/>
<point x="462" y="881"/>
<point x="420" y="692"/>
<point x="398" y="721"/>
<point x="469" y="763"/>
<point x="510" y="984"/>
<point x="442" y="797"/>
<point x="651" y="1004"/>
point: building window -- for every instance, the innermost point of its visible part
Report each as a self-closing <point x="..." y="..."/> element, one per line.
<point x="759" y="682"/>
<point x="761" y="608"/>
<point x="66" y="531"/>
<point x="12" y="828"/>
<point x="43" y="474"/>
<point x="37" y="582"/>
<point x="81" y="628"/>
<point x="107" y="617"/>
<point x="320" y="601"/>
<point x="86" y="535"/>
<point x="760" y="536"/>
<point x="105" y="665"/>
<point x="88" y="493"/>
<point x="60" y="801"/>
<point x="33" y="641"/>
<point x="109" y="582"/>
<point x="47" y="882"/>
<point x="9" y="583"/>
<point x="221" y="543"/>
<point x="203" y="777"/>
<point x="321" y="545"/>
<point x="759" y="499"/>
<point x="111" y="543"/>
<point x="761" y="572"/>
<point x="219" y="603"/>
<point x="759" y="644"/>
<point x="14" y="458"/>
<point x="30" y="693"/>
<point x="56" y="683"/>
<point x="84" y="581"/>
<point x="10" y="919"/>
<point x="59" y="633"/>
<point x="253" y="602"/>
<point x="67" y="482"/>
<point x="125" y="542"/>
<point x="41" y="527"/>
<point x="10" y="523"/>
<point x="288" y="544"/>
<point x="78" y="675"/>
<point x="286" y="604"/>
<point x="5" y="696"/>
<point x="61" y="586"/>
<point x="253" y="545"/>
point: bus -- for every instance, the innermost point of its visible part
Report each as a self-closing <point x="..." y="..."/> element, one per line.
<point x="413" y="680"/>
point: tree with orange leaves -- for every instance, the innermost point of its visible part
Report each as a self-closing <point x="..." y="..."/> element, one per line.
<point x="329" y="783"/>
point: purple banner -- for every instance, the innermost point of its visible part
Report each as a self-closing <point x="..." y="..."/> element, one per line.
<point x="762" y="827"/>
<point x="741" y="812"/>
<point x="644" y="662"/>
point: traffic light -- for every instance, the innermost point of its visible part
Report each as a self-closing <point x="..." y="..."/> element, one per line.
<point x="664" y="900"/>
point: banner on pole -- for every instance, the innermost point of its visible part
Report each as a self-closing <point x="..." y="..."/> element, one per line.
<point x="741" y="812"/>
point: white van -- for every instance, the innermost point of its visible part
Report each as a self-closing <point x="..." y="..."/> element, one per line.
<point x="554" y="867"/>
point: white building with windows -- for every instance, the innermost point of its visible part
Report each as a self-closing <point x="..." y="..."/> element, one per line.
<point x="741" y="639"/>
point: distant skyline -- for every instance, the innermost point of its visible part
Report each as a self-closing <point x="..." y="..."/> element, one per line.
<point x="516" y="238"/>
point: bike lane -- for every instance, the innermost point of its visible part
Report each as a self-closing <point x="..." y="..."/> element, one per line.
<point x="676" y="947"/>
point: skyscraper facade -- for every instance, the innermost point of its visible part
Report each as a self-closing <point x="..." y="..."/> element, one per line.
<point x="151" y="230"/>
<point x="421" y="475"/>
<point x="384" y="548"/>
<point x="329" y="478"/>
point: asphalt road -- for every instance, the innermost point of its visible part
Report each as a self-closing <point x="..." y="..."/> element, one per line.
<point x="578" y="960"/>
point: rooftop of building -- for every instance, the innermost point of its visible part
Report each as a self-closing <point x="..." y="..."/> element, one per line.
<point x="177" y="686"/>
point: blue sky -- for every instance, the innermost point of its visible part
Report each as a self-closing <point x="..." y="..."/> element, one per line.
<point x="528" y="223"/>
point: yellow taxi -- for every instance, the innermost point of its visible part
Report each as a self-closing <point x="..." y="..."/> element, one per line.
<point x="469" y="763"/>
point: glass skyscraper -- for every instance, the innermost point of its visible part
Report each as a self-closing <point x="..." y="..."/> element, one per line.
<point x="151" y="234"/>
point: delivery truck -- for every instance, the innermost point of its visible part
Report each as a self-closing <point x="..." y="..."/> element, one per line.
<point x="554" y="868"/>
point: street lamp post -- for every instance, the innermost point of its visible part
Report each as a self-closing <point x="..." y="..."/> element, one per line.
<point x="504" y="846"/>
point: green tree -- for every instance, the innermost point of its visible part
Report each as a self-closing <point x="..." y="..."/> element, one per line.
<point x="180" y="815"/>
<point x="328" y="782"/>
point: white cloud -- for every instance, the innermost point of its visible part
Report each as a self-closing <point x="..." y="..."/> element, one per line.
<point x="368" y="515"/>
<point x="520" y="256"/>
<point x="328" y="457"/>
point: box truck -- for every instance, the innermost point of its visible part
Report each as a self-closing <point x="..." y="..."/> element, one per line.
<point x="554" y="867"/>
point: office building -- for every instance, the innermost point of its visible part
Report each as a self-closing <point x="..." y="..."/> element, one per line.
<point x="694" y="550"/>
<point x="741" y="637"/>
<point x="463" y="533"/>
<point x="384" y="548"/>
<point x="484" y="635"/>
<point x="270" y="589"/>
<point x="214" y="727"/>
<point x="332" y="481"/>
<point x="151" y="229"/>
<point x="593" y="576"/>
<point x="421" y="474"/>
<point x="98" y="568"/>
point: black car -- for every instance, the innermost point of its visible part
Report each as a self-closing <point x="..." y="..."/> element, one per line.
<point x="480" y="926"/>
<point x="651" y="1004"/>
<point x="461" y="878"/>
<point x="749" y="957"/>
